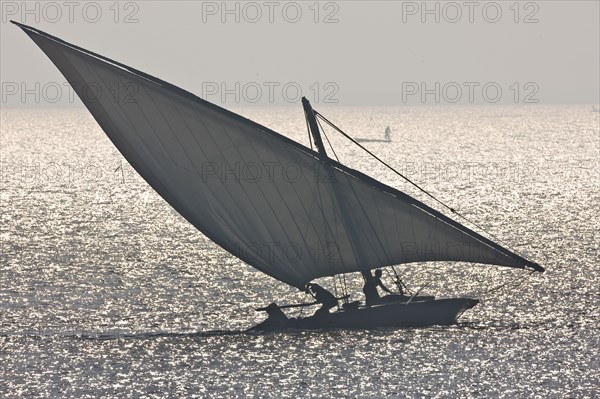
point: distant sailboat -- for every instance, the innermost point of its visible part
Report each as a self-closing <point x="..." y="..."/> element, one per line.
<point x="387" y="137"/>
<point x="294" y="214"/>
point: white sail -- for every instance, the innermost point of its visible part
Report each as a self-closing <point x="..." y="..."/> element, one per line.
<point x="266" y="199"/>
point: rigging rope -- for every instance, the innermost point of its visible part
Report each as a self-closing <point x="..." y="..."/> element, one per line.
<point x="516" y="283"/>
<point x="309" y="136"/>
<point x="399" y="281"/>
<point x="327" y="138"/>
<point x="341" y="287"/>
<point x="336" y="291"/>
<point x="383" y="162"/>
<point x="345" y="287"/>
<point x="410" y="181"/>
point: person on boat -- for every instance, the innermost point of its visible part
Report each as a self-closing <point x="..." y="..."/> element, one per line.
<point x="324" y="297"/>
<point x="370" y="288"/>
<point x="275" y="314"/>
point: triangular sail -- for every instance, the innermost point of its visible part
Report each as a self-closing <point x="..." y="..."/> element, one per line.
<point x="266" y="199"/>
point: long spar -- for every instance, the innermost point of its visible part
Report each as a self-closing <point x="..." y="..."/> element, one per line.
<point x="349" y="226"/>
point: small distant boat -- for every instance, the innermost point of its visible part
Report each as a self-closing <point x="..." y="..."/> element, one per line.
<point x="290" y="211"/>
<point x="387" y="137"/>
<point x="594" y="109"/>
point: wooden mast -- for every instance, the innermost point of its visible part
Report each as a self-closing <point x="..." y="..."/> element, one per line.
<point x="314" y="128"/>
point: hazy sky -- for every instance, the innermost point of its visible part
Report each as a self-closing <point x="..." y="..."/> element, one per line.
<point x="349" y="52"/>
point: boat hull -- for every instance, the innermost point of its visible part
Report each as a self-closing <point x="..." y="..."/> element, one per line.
<point x="385" y="315"/>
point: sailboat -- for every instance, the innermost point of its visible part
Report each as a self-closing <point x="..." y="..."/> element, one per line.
<point x="288" y="210"/>
<point x="387" y="137"/>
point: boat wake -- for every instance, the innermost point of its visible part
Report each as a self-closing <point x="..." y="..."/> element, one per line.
<point x="363" y="140"/>
<point x="115" y="334"/>
<point x="160" y="334"/>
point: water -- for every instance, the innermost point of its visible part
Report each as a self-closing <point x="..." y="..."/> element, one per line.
<point x="105" y="291"/>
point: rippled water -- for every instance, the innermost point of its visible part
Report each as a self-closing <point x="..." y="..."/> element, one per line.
<point x="105" y="291"/>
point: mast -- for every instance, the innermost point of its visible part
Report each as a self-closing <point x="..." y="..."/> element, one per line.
<point x="314" y="128"/>
<point x="342" y="202"/>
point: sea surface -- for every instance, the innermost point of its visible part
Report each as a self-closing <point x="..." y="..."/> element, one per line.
<point x="105" y="291"/>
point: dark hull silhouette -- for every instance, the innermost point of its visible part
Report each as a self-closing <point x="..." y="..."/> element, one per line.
<point x="388" y="314"/>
